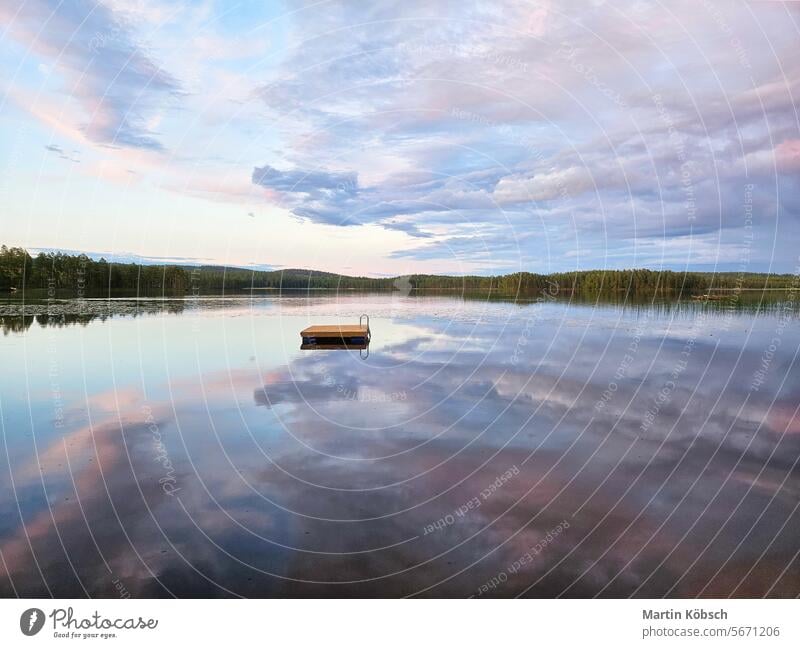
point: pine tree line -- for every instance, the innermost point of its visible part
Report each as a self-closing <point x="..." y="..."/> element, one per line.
<point x="81" y="275"/>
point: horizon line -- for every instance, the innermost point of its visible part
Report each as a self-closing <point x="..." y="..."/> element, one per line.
<point x="131" y="257"/>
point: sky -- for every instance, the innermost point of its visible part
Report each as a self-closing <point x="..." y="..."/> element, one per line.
<point x="395" y="138"/>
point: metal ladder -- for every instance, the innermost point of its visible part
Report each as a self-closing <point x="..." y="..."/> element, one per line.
<point x="361" y="353"/>
<point x="360" y="323"/>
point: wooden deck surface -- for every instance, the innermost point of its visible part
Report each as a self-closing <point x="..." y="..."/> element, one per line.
<point x="335" y="331"/>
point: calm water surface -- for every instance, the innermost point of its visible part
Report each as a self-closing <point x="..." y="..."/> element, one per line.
<point x="190" y="448"/>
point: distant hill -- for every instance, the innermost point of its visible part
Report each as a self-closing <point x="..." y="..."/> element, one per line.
<point x="80" y="275"/>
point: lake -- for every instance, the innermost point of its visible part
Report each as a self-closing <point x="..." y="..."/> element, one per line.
<point x="482" y="448"/>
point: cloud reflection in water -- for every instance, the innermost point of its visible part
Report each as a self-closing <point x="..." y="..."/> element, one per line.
<point x="322" y="474"/>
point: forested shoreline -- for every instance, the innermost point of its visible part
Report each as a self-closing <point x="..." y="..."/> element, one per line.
<point x="80" y="275"/>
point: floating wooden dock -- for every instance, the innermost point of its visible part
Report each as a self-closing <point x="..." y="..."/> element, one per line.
<point x="337" y="334"/>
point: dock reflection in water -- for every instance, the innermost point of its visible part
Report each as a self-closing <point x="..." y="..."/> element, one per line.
<point x="485" y="449"/>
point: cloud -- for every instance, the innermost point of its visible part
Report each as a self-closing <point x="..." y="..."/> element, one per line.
<point x="319" y="196"/>
<point x="53" y="148"/>
<point x="408" y="228"/>
<point x="309" y="182"/>
<point x="102" y="64"/>
<point x="588" y="128"/>
<point x="610" y="124"/>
